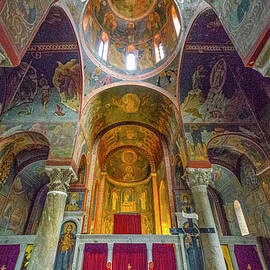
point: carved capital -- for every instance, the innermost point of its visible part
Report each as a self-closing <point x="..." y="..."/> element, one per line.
<point x="198" y="176"/>
<point x="60" y="178"/>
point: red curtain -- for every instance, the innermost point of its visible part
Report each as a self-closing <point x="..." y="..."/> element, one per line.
<point x="8" y="256"/>
<point x="164" y="257"/>
<point x="127" y="224"/>
<point x="133" y="255"/>
<point x="95" y="257"/>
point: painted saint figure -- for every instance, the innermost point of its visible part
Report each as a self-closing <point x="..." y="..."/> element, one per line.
<point x="73" y="202"/>
<point x="65" y="248"/>
<point x="45" y="93"/>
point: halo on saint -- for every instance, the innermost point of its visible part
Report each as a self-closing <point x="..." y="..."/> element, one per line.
<point x="69" y="224"/>
<point x="187" y="196"/>
<point x="72" y="195"/>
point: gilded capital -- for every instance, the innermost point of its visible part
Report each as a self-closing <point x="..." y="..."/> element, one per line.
<point x="60" y="178"/>
<point x="198" y="176"/>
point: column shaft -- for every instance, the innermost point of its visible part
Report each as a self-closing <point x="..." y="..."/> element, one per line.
<point x="198" y="180"/>
<point x="45" y="245"/>
<point x="46" y="241"/>
<point x="213" y="255"/>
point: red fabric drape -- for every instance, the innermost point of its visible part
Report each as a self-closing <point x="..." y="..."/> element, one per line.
<point x="164" y="257"/>
<point x="8" y="256"/>
<point x="134" y="255"/>
<point x="127" y="224"/>
<point x="95" y="257"/>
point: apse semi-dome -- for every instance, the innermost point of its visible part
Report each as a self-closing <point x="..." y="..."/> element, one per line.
<point x="131" y="39"/>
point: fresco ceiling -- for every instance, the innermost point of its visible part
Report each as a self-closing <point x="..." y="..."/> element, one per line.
<point x="217" y="96"/>
<point x="43" y="93"/>
<point x="130" y="104"/>
<point x="103" y="21"/>
<point x="131" y="136"/>
<point x="128" y="165"/>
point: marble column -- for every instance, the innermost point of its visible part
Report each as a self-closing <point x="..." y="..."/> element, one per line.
<point x="198" y="180"/>
<point x="46" y="241"/>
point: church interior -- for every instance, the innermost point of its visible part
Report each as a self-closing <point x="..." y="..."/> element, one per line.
<point x="134" y="134"/>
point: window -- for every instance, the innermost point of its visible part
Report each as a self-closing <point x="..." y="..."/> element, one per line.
<point x="240" y="218"/>
<point x="104" y="47"/>
<point x="159" y="50"/>
<point x="176" y="21"/>
<point x="131" y="58"/>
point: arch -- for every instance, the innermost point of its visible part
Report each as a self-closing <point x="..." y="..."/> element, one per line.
<point x="245" y="146"/>
<point x="218" y="204"/>
<point x="33" y="145"/>
<point x="240" y="218"/>
<point x="127" y="102"/>
<point x="82" y="170"/>
<point x="36" y="211"/>
<point x="203" y="6"/>
<point x="53" y="56"/>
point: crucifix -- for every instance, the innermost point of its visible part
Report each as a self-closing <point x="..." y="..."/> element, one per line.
<point x="3" y="267"/>
<point x="129" y="266"/>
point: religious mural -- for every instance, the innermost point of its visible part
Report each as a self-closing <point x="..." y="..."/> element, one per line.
<point x="20" y="19"/>
<point x="22" y="147"/>
<point x="74" y="201"/>
<point x="18" y="197"/>
<point x="66" y="245"/>
<point x="244" y="21"/>
<point x="129" y="165"/>
<point x="125" y="103"/>
<point x="44" y="91"/>
<point x="253" y="200"/>
<point x="134" y="136"/>
<point x="123" y="199"/>
<point x="218" y="96"/>
<point x="145" y="35"/>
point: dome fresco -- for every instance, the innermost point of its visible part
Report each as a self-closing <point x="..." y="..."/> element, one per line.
<point x="138" y="45"/>
<point x="132" y="10"/>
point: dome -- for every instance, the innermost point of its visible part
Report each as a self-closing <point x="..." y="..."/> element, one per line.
<point x="131" y="39"/>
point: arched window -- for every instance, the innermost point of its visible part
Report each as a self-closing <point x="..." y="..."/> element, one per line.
<point x="176" y="21"/>
<point x="240" y="218"/>
<point x="131" y="58"/>
<point x="103" y="47"/>
<point x="159" y="50"/>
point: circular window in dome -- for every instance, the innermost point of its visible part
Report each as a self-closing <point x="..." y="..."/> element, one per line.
<point x="126" y="48"/>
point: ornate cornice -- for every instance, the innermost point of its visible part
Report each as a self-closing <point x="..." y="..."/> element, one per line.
<point x="198" y="176"/>
<point x="60" y="178"/>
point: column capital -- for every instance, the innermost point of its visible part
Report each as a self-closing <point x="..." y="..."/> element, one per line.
<point x="60" y="178"/>
<point x="198" y="176"/>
